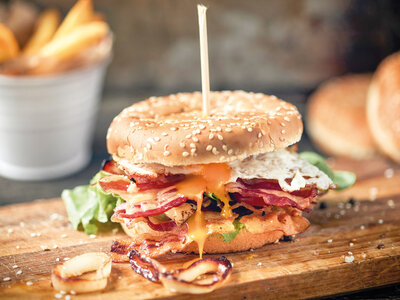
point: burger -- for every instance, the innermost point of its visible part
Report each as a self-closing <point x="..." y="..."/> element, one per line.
<point x="229" y="181"/>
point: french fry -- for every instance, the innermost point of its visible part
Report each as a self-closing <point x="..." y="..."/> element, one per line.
<point x="46" y="26"/>
<point x="8" y="44"/>
<point x="77" y="40"/>
<point x="79" y="14"/>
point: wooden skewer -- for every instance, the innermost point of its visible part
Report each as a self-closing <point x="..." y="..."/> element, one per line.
<point x="205" y="76"/>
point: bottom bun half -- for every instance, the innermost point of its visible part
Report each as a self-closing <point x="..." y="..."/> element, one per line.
<point x="258" y="231"/>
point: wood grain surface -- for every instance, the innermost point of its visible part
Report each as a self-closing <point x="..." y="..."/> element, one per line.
<point x="35" y="236"/>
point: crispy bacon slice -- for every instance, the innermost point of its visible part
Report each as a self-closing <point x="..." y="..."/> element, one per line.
<point x="145" y="183"/>
<point x="263" y="192"/>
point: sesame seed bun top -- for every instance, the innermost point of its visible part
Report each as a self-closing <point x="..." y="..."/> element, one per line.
<point x="172" y="131"/>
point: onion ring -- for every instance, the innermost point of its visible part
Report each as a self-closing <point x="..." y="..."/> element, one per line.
<point x="183" y="280"/>
<point x="85" y="273"/>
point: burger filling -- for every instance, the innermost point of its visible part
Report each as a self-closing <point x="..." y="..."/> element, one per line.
<point x="262" y="193"/>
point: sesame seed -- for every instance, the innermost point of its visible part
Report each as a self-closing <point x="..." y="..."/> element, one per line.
<point x="193" y="151"/>
<point x="10" y="230"/>
<point x="195" y="139"/>
<point x="19" y="272"/>
<point x="184" y="154"/>
<point x="22" y="224"/>
<point x="72" y="292"/>
<point x="173" y="128"/>
<point x="380" y="221"/>
<point x="363" y="255"/>
<point x="202" y="126"/>
<point x="282" y="139"/>
<point x="209" y="148"/>
<point x="29" y="283"/>
<point x="220" y="137"/>
<point x="58" y="296"/>
<point x="351" y="244"/>
<point x="211" y="136"/>
<point x="148" y="146"/>
<point x="249" y="129"/>
<point x="66" y="258"/>
<point x="230" y="152"/>
<point x="188" y="136"/>
<point x="218" y="128"/>
<point x="64" y="235"/>
<point x="33" y="234"/>
<point x="215" y="151"/>
<point x="157" y="139"/>
<point x="57" y="259"/>
<point x="44" y="247"/>
<point x="92" y="236"/>
<point x="228" y="129"/>
<point x="283" y="131"/>
<point x="390" y="203"/>
<point x="389" y="173"/>
<point x="67" y="297"/>
<point x="6" y="279"/>
<point x="192" y="145"/>
<point x="17" y="247"/>
<point x="164" y="134"/>
<point x="362" y="227"/>
<point x="182" y="144"/>
<point x="15" y="266"/>
<point x="330" y="241"/>
<point x="224" y="147"/>
<point x="166" y="153"/>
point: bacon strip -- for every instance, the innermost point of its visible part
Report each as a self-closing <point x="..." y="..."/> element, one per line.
<point x="267" y="193"/>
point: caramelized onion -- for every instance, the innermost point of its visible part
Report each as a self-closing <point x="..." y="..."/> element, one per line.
<point x="184" y="280"/>
<point x="88" y="272"/>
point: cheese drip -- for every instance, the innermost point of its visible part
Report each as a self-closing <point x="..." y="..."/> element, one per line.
<point x="209" y="178"/>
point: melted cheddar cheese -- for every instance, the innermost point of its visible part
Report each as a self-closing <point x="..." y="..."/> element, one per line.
<point x="210" y="178"/>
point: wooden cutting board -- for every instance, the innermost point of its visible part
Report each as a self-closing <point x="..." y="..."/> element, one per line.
<point x="35" y="236"/>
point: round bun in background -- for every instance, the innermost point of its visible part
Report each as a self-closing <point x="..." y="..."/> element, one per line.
<point x="173" y="131"/>
<point x="383" y="107"/>
<point x="336" y="117"/>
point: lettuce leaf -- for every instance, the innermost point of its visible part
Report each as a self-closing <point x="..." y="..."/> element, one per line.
<point x="89" y="205"/>
<point x="229" y="236"/>
<point x="342" y="179"/>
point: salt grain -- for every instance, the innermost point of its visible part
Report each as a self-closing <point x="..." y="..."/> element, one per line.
<point x="330" y="241"/>
<point x="29" y="283"/>
<point x="63" y="235"/>
<point x="92" y="236"/>
<point x="390" y="203"/>
<point x="362" y="227"/>
<point x="389" y="173"/>
<point x="10" y="230"/>
<point x="15" y="266"/>
<point x="380" y="221"/>
<point x="6" y="279"/>
<point x="349" y="259"/>
<point x="351" y="244"/>
<point x="58" y="296"/>
<point x="19" y="272"/>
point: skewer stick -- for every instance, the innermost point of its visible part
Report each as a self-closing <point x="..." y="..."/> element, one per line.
<point x="205" y="76"/>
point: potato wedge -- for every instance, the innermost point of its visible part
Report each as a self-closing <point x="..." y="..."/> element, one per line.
<point x="77" y="40"/>
<point x="79" y="14"/>
<point x="45" y="28"/>
<point x="8" y="44"/>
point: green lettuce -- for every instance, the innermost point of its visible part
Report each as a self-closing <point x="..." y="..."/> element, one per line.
<point x="229" y="236"/>
<point x="342" y="179"/>
<point x="90" y="206"/>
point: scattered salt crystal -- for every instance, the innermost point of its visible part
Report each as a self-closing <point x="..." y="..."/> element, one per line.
<point x="388" y="173"/>
<point x="33" y="234"/>
<point x="6" y="279"/>
<point x="351" y="244"/>
<point x="380" y="221"/>
<point x="17" y="247"/>
<point x="350" y="253"/>
<point x="72" y="292"/>
<point x="57" y="259"/>
<point x="29" y="283"/>
<point x="19" y="272"/>
<point x="330" y="241"/>
<point x="362" y="227"/>
<point x="92" y="236"/>
<point x="64" y="235"/>
<point x="22" y="224"/>
<point x="10" y="230"/>
<point x="67" y="297"/>
<point x="259" y="264"/>
<point x="363" y="255"/>
<point x="66" y="258"/>
<point x="63" y="292"/>
<point x="372" y="193"/>
<point x="58" y="296"/>
<point x="15" y="266"/>
<point x="349" y="259"/>
<point x="390" y="203"/>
